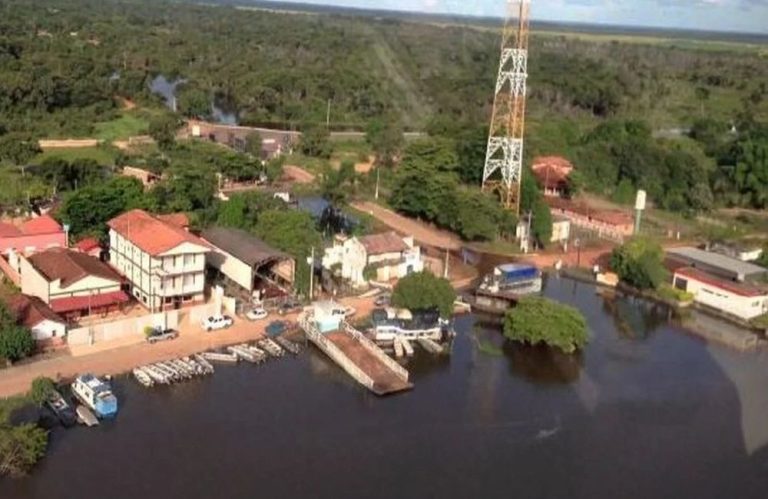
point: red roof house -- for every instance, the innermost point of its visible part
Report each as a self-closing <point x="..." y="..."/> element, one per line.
<point x="70" y="282"/>
<point x="552" y="173"/>
<point x="89" y="246"/>
<point x="33" y="235"/>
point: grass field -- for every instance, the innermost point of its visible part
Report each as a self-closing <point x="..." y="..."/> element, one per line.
<point x="104" y="155"/>
<point x="129" y="124"/>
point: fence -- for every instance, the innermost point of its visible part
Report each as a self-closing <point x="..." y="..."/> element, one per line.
<point x="334" y="352"/>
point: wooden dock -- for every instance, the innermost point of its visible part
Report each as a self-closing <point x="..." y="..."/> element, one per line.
<point x="359" y="357"/>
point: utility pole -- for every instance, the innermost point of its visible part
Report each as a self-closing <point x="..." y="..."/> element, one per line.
<point x="328" y="116"/>
<point x="311" y="262"/>
<point x="445" y="269"/>
<point x="376" y="196"/>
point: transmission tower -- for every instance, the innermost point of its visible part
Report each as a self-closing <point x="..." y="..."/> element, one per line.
<point x="504" y="156"/>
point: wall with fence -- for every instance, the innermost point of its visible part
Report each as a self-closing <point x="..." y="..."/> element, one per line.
<point x="122" y="328"/>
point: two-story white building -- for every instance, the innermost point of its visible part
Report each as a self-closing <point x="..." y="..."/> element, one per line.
<point x="380" y="257"/>
<point x="162" y="261"/>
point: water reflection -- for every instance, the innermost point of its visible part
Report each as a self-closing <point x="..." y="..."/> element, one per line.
<point x="543" y="365"/>
<point x="662" y="416"/>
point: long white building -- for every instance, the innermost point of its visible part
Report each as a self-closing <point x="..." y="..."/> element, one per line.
<point x="735" y="298"/>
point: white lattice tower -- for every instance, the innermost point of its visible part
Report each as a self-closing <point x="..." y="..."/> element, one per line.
<point x="504" y="156"/>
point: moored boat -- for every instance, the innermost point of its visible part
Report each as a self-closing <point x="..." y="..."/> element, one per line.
<point x="95" y="395"/>
<point x="61" y="408"/>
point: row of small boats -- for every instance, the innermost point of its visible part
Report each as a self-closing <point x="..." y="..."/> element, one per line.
<point x="176" y="370"/>
<point x="173" y="371"/>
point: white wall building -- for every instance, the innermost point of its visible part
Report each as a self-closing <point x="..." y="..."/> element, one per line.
<point x="388" y="255"/>
<point x="741" y="300"/>
<point x="162" y="261"/>
<point x="39" y="318"/>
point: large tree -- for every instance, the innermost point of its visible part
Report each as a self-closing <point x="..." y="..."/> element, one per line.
<point x="423" y="291"/>
<point x="385" y="136"/>
<point x="536" y="320"/>
<point x="88" y="209"/>
<point x="640" y="263"/>
<point x="315" y="141"/>
<point x="16" y="342"/>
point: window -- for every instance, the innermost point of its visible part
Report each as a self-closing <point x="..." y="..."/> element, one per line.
<point x="189" y="260"/>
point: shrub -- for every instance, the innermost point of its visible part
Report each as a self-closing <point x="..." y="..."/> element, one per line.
<point x="536" y="320"/>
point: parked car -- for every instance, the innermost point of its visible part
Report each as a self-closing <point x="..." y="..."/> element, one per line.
<point x="256" y="314"/>
<point x="160" y="334"/>
<point x="216" y="322"/>
<point x="276" y="328"/>
<point x="289" y="307"/>
<point x="382" y="300"/>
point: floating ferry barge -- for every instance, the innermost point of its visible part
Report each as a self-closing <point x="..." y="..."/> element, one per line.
<point x="504" y="286"/>
<point x="96" y="395"/>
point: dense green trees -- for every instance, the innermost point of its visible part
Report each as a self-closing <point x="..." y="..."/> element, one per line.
<point x="337" y="183"/>
<point x="294" y="232"/>
<point x="385" y="136"/>
<point x="315" y="141"/>
<point x="537" y="320"/>
<point x="21" y="446"/>
<point x="640" y="263"/>
<point x="163" y="130"/>
<point x="423" y="291"/>
<point x="41" y="389"/>
<point x="427" y="186"/>
<point x="253" y="144"/>
<point x="88" y="209"/>
<point x="16" y="342"/>
<point x="288" y="68"/>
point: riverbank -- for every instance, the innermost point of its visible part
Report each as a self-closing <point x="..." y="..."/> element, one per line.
<point x="117" y="358"/>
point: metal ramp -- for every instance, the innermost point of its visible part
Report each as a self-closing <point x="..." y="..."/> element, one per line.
<point x="359" y="357"/>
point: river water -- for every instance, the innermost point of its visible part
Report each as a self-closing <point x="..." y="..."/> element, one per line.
<point x="647" y="411"/>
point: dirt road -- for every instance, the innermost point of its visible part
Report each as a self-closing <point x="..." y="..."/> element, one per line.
<point x="298" y="174"/>
<point x="423" y="233"/>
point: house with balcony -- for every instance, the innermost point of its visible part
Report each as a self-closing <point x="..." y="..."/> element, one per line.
<point x="380" y="257"/>
<point x="163" y="263"/>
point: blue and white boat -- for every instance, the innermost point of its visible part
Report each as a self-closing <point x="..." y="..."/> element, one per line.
<point x="95" y="394"/>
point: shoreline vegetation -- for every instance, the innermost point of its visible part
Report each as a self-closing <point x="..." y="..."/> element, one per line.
<point x="23" y="442"/>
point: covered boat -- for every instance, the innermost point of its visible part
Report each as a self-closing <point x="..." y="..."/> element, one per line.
<point x="96" y="395"/>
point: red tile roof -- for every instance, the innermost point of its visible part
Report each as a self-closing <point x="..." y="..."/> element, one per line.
<point x="76" y="303"/>
<point x="387" y="242"/>
<point x="31" y="311"/>
<point x="177" y="219"/>
<point x="151" y="234"/>
<point x="556" y="162"/>
<point x="70" y="266"/>
<point x="41" y="225"/>
<point x="736" y="288"/>
<point x="87" y="245"/>
<point x="33" y="227"/>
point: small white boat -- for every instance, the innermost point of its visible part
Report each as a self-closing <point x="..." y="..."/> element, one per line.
<point x="143" y="378"/>
<point x="85" y="416"/>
